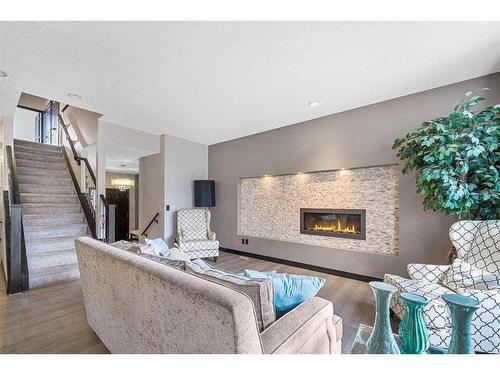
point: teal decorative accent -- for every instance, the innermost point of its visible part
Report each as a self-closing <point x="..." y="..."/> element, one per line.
<point x="462" y="310"/>
<point x="289" y="290"/>
<point x="382" y="340"/>
<point x="412" y="330"/>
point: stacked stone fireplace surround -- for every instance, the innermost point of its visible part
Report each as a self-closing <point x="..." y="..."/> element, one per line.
<point x="270" y="206"/>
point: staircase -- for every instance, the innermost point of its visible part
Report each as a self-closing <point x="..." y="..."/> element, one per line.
<point x="52" y="215"/>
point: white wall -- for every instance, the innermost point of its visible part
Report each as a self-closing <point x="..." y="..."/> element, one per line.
<point x="185" y="161"/>
<point x="151" y="193"/>
<point x="122" y="136"/>
<point x="118" y="144"/>
<point x="84" y="124"/>
<point x="167" y="178"/>
<point x="3" y="255"/>
<point x="24" y="124"/>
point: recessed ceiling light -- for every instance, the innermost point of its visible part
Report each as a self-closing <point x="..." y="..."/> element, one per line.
<point x="3" y="74"/>
<point x="74" y="96"/>
<point x="313" y="103"/>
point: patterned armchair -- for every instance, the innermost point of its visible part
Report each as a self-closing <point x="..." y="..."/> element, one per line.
<point x="475" y="273"/>
<point x="194" y="236"/>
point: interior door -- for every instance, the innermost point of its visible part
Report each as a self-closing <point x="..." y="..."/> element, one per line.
<point x="121" y="200"/>
<point x="50" y="124"/>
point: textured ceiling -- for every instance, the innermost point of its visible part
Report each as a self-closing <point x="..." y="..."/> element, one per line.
<point x="211" y="82"/>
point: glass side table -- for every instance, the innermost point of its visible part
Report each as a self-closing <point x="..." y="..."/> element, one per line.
<point x="364" y="332"/>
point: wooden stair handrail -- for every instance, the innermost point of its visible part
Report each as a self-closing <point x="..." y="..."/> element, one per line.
<point x="155" y="219"/>
<point x="13" y="181"/>
<point x="76" y="156"/>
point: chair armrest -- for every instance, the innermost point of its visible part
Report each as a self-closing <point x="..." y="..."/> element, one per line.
<point x="310" y="323"/>
<point x="431" y="273"/>
<point x="211" y="235"/>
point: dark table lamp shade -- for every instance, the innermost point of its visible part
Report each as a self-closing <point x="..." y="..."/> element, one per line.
<point x="204" y="193"/>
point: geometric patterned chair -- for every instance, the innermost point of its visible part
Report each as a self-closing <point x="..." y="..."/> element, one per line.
<point x="194" y="236"/>
<point x="475" y="273"/>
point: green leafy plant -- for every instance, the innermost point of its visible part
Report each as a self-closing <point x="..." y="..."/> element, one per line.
<point x="457" y="160"/>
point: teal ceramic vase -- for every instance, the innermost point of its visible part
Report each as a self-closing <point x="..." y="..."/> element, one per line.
<point x="381" y="340"/>
<point x="462" y="310"/>
<point x="412" y="330"/>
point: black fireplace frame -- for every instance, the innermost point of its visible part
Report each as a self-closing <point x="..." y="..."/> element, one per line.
<point x="362" y="213"/>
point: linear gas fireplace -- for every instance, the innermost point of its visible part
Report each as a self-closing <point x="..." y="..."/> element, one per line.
<point x="333" y="222"/>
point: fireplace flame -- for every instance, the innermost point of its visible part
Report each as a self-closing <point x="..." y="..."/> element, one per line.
<point x="335" y="228"/>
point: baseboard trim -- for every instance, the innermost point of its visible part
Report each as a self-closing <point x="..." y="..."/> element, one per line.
<point x="311" y="267"/>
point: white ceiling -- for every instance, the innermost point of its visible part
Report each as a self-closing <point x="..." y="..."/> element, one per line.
<point x="212" y="82"/>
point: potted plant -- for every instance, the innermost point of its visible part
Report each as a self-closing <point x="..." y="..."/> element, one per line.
<point x="456" y="159"/>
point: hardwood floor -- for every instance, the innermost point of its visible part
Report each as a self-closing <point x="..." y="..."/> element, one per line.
<point x="52" y="319"/>
<point x="352" y="299"/>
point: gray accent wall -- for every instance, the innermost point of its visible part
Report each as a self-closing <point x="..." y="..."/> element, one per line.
<point x="357" y="138"/>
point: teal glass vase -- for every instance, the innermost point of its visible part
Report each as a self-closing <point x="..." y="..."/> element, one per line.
<point x="412" y="330"/>
<point x="381" y="340"/>
<point x="462" y="310"/>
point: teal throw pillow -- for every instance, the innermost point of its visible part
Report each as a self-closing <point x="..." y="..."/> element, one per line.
<point x="289" y="290"/>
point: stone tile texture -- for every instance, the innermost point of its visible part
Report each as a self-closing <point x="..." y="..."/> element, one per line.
<point x="270" y="206"/>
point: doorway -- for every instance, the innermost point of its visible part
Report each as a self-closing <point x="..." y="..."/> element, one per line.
<point x="34" y="125"/>
<point x="120" y="198"/>
<point x="48" y="128"/>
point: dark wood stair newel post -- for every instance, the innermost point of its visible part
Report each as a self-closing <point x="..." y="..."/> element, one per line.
<point x="15" y="242"/>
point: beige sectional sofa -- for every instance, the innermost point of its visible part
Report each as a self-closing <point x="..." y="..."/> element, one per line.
<point x="136" y="305"/>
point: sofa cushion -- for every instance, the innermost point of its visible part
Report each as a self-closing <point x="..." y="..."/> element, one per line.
<point x="177" y="254"/>
<point x="462" y="275"/>
<point x="133" y="247"/>
<point x="199" y="266"/>
<point x="179" y="264"/>
<point x="194" y="234"/>
<point x="485" y="249"/>
<point x="260" y="291"/>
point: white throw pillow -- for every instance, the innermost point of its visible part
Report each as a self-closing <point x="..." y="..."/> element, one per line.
<point x="159" y="245"/>
<point x="194" y="234"/>
<point x="147" y="249"/>
<point x="485" y="249"/>
<point x="462" y="275"/>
